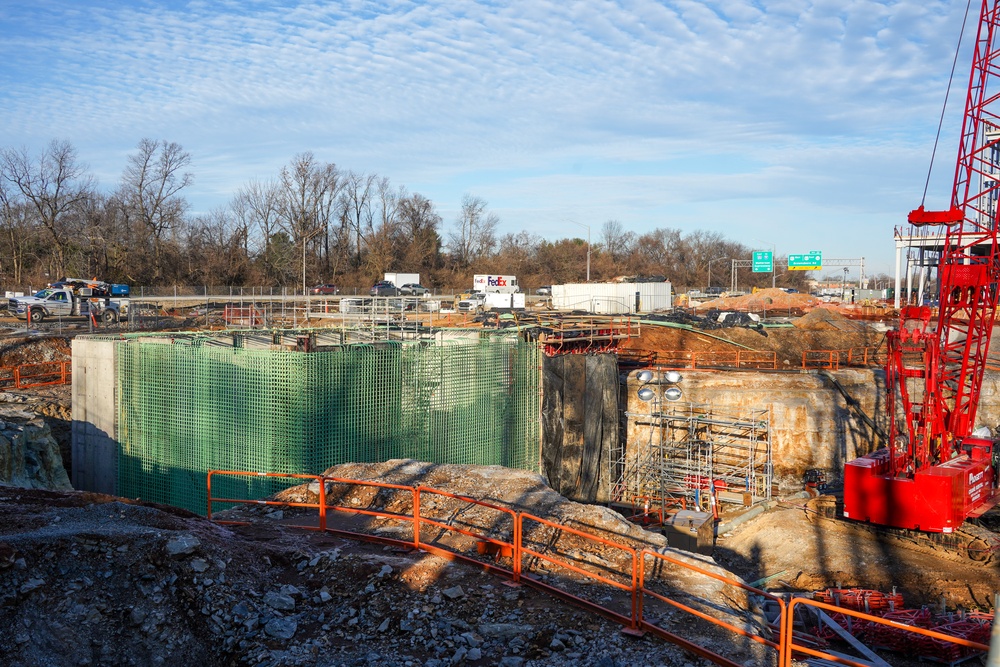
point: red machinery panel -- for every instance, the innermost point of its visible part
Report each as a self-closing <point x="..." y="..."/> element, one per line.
<point x="937" y="499"/>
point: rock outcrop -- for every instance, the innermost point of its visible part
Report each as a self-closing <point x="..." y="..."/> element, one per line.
<point x="29" y="455"/>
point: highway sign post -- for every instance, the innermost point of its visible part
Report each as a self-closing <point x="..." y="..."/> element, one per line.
<point x="811" y="261"/>
<point x="763" y="261"/>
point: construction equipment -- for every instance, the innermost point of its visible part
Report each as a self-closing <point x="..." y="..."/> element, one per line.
<point x="72" y="297"/>
<point x="936" y="470"/>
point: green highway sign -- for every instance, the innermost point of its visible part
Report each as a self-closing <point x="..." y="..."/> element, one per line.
<point x="763" y="261"/>
<point x="811" y="261"/>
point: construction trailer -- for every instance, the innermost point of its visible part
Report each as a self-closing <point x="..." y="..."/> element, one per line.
<point x="613" y="298"/>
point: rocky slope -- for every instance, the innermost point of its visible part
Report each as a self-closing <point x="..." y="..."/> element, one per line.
<point x="94" y="580"/>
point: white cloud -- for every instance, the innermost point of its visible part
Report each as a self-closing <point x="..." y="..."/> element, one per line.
<point x="804" y="96"/>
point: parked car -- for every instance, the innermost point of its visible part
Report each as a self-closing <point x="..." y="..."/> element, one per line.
<point x="713" y="291"/>
<point x="384" y="288"/>
<point x="325" y="289"/>
<point x="414" y="289"/>
<point x="544" y="290"/>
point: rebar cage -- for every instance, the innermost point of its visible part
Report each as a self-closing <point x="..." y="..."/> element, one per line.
<point x="188" y="404"/>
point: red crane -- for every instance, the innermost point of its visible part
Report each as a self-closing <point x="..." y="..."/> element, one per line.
<point x="936" y="471"/>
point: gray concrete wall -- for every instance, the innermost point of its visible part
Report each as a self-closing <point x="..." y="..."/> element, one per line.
<point x="95" y="450"/>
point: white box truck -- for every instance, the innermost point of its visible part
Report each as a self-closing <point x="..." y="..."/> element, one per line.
<point x="487" y="283"/>
<point x="400" y="279"/>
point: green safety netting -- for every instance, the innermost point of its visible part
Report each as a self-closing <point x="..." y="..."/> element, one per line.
<point x="187" y="405"/>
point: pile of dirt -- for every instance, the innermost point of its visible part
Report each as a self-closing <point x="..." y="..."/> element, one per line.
<point x="787" y="342"/>
<point x="763" y="300"/>
<point x="827" y="319"/>
<point x="17" y="349"/>
<point x="809" y="552"/>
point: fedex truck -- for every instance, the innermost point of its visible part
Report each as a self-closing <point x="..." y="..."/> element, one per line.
<point x="498" y="284"/>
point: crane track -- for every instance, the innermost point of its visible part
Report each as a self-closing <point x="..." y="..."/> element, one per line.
<point x="971" y="544"/>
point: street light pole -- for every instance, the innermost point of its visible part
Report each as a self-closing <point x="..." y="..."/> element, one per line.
<point x="587" y="227"/>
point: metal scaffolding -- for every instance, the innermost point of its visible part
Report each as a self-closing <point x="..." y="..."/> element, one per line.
<point x="691" y="450"/>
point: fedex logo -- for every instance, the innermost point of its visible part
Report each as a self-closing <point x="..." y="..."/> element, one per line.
<point x="499" y="281"/>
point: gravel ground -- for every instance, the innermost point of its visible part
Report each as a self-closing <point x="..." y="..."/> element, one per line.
<point x="87" y="579"/>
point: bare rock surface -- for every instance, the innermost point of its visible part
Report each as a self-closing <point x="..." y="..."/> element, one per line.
<point x="29" y="454"/>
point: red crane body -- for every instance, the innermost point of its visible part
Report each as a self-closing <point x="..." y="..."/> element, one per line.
<point x="935" y="472"/>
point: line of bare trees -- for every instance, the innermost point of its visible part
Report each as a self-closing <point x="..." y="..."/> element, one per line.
<point x="313" y="222"/>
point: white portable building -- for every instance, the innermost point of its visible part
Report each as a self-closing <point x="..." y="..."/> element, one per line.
<point x="612" y="298"/>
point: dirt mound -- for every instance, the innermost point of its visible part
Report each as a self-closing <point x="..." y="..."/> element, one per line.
<point x="812" y="553"/>
<point x="763" y="300"/>
<point x="826" y="319"/>
<point x="16" y="350"/>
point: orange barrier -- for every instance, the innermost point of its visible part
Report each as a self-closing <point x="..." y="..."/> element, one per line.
<point x="691" y="359"/>
<point x="828" y="359"/>
<point x="321" y="505"/>
<point x="791" y="647"/>
<point x="735" y="359"/>
<point x="778" y="646"/>
<point x="41" y="374"/>
<point x="784" y="644"/>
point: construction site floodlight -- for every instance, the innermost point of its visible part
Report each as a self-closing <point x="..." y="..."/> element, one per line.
<point x="673" y="394"/>
<point x="646" y="394"/>
<point x="644" y="376"/>
<point x="673" y="377"/>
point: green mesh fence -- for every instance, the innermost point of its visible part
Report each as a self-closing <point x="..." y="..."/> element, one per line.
<point x="189" y="405"/>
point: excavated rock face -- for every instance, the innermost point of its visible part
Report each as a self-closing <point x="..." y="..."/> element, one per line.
<point x="29" y="455"/>
<point x="811" y="424"/>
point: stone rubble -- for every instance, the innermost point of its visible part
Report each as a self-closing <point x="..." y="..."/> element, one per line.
<point x="117" y="583"/>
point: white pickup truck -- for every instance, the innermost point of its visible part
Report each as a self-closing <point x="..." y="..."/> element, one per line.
<point x="65" y="302"/>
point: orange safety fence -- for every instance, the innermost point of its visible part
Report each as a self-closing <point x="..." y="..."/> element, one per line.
<point x="917" y="634"/>
<point x="694" y="359"/>
<point x="541" y="548"/>
<point x="663" y="558"/>
<point x="41" y="374"/>
<point x="827" y="359"/>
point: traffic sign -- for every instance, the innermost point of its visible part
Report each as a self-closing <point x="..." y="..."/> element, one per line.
<point x="811" y="261"/>
<point x="763" y="261"/>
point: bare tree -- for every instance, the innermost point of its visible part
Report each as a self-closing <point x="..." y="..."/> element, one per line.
<point x="150" y="191"/>
<point x="256" y="211"/>
<point x="356" y="210"/>
<point x="53" y="186"/>
<point x="419" y="223"/>
<point x="18" y="232"/>
<point x="309" y="192"/>
<point x="617" y="241"/>
<point x="474" y="237"/>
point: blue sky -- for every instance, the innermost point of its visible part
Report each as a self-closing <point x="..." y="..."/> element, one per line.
<point x="804" y="124"/>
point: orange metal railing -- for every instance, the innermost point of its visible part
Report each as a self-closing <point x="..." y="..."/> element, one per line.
<point x="828" y="359"/>
<point x="778" y="645"/>
<point x="631" y="579"/>
<point x="703" y="359"/>
<point x="41" y="374"/>
<point x="792" y="647"/>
